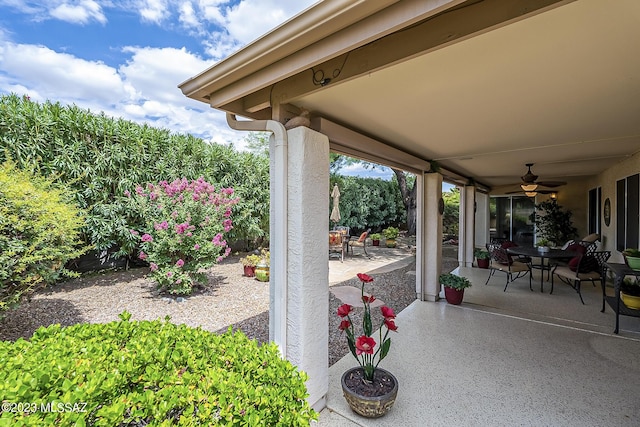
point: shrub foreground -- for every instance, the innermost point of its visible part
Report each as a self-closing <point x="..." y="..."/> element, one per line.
<point x="148" y="373"/>
<point x="39" y="233"/>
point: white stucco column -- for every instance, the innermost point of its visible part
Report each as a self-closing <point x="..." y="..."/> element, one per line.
<point x="482" y="219"/>
<point x="466" y="242"/>
<point x="308" y="259"/>
<point x="428" y="236"/>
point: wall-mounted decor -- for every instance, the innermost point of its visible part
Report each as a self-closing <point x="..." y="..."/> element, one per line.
<point x="607" y="212"/>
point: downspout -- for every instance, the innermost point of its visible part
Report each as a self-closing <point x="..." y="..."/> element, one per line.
<point x="278" y="223"/>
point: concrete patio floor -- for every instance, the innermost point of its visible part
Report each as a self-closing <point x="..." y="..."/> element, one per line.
<point x="518" y="357"/>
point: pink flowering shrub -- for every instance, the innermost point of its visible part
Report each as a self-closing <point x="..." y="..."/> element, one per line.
<point x="183" y="228"/>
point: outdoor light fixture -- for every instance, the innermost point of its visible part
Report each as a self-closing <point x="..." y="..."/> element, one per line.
<point x="531" y="193"/>
<point x="529" y="187"/>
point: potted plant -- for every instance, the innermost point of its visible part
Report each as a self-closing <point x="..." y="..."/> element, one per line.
<point x="482" y="257"/>
<point x="375" y="239"/>
<point x="390" y="234"/>
<point x="369" y="390"/>
<point x="454" y="287"/>
<point x="632" y="258"/>
<point x="543" y="245"/>
<point x="262" y="268"/>
<point x="249" y="263"/>
<point x="630" y="293"/>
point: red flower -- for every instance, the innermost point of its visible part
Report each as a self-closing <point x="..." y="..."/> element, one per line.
<point x="387" y="312"/>
<point x="344" y="325"/>
<point x="390" y="324"/>
<point x="344" y="310"/>
<point x="365" y="344"/>
<point x="368" y="299"/>
<point x="365" y="278"/>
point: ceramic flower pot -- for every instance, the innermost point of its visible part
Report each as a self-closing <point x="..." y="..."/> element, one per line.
<point x="630" y="301"/>
<point x="633" y="262"/>
<point x="483" y="262"/>
<point x="371" y="400"/>
<point x="391" y="243"/>
<point x="453" y="296"/>
<point x="249" y="270"/>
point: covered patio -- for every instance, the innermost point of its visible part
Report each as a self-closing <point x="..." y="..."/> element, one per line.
<point x="466" y="92"/>
<point x="506" y="358"/>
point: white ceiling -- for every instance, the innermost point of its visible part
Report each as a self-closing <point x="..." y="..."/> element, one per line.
<point x="560" y="90"/>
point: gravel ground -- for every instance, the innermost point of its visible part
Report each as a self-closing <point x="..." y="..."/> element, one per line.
<point x="230" y="299"/>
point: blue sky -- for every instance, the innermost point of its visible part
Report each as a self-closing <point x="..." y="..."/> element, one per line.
<point x="126" y="58"/>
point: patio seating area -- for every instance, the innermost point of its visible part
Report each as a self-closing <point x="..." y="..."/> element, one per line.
<point x="518" y="357"/>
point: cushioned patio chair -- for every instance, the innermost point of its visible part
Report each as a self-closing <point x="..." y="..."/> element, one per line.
<point x="361" y="242"/>
<point x="337" y="244"/>
<point x="501" y="261"/>
<point x="589" y="267"/>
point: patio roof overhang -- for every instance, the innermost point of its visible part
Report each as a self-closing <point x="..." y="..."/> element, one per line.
<point x="482" y="87"/>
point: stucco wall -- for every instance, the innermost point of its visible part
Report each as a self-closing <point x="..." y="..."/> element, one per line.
<point x="607" y="180"/>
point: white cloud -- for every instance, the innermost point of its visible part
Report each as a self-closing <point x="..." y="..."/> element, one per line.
<point x="156" y="73"/>
<point x="81" y="13"/>
<point x="155" y="11"/>
<point x="56" y="75"/>
<point x="250" y="19"/>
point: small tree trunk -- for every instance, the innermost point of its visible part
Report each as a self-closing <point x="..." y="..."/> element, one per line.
<point x="409" y="200"/>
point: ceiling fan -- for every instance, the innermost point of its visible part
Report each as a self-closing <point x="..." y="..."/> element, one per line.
<point x="531" y="186"/>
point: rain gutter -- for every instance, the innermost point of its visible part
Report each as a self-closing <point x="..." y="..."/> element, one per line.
<point x="278" y="277"/>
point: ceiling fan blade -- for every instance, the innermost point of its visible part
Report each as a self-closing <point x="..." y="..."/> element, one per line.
<point x="552" y="184"/>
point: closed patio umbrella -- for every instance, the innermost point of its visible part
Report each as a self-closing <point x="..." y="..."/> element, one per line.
<point x="335" y="212"/>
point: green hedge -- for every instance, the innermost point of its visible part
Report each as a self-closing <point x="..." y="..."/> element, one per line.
<point x="148" y="373"/>
<point x="100" y="157"/>
<point x="39" y="233"/>
<point x="369" y="203"/>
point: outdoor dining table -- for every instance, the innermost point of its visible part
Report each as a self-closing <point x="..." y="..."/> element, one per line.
<point x="536" y="253"/>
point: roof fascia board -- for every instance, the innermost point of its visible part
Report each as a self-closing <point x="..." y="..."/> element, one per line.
<point x="311" y="25"/>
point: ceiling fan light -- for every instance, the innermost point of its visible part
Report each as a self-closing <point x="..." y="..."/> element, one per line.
<point x="529" y="187"/>
<point x="531" y="193"/>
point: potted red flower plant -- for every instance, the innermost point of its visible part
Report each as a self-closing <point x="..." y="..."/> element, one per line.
<point x="370" y="391"/>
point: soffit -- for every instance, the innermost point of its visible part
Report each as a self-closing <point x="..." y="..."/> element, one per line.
<point x="560" y="89"/>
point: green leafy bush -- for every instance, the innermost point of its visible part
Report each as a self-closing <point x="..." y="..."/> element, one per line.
<point x="454" y="281"/>
<point x="100" y="157"/>
<point x="369" y="203"/>
<point x="391" y="233"/>
<point x="149" y="373"/>
<point x="39" y="233"/>
<point x="183" y="229"/>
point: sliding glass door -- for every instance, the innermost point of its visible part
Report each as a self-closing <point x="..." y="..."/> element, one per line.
<point x="512" y="218"/>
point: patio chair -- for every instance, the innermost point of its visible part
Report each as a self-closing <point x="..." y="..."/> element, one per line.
<point x="501" y="261"/>
<point x="336" y="244"/>
<point x="362" y="241"/>
<point x="583" y="267"/>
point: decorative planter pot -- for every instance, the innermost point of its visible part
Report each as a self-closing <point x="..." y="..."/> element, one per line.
<point x="483" y="262"/>
<point x="453" y="296"/>
<point x="630" y="301"/>
<point x="632" y="262"/>
<point x="361" y="397"/>
<point x="250" y="270"/>
<point x="375" y="242"/>
<point x="262" y="272"/>
<point x="391" y="243"/>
